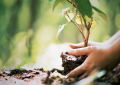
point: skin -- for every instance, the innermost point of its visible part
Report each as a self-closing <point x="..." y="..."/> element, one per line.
<point x="104" y="55"/>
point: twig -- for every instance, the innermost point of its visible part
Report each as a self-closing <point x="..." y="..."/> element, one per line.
<point x="71" y="3"/>
<point x="81" y="31"/>
<point x="78" y="29"/>
<point x="84" y="22"/>
<point x="85" y="39"/>
<point x="88" y="32"/>
<point x="87" y="36"/>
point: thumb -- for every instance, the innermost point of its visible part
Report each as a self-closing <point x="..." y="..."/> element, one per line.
<point x="74" y="46"/>
<point x="79" y="51"/>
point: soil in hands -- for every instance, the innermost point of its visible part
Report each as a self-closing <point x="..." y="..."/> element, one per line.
<point x="70" y="62"/>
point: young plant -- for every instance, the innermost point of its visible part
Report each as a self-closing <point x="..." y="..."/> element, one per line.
<point x="82" y="10"/>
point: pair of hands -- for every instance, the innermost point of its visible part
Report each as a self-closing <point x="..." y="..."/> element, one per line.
<point x="100" y="57"/>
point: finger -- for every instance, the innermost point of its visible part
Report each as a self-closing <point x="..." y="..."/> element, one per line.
<point x="84" y="75"/>
<point x="77" y="71"/>
<point x="79" y="51"/>
<point x="74" y="46"/>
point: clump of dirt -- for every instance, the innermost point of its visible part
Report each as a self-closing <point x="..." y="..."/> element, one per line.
<point x="69" y="62"/>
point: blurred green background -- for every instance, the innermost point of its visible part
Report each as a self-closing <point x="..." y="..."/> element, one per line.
<point x="28" y="27"/>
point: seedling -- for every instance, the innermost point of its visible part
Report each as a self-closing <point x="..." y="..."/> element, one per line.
<point x="82" y="10"/>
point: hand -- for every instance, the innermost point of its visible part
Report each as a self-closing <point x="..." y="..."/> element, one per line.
<point x="99" y="57"/>
<point x="90" y="43"/>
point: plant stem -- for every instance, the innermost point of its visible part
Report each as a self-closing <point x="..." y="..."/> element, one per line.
<point x="88" y="33"/>
<point x="87" y="36"/>
<point x="85" y="39"/>
<point x="71" y="3"/>
<point x="79" y="29"/>
<point x="84" y="21"/>
<point x="83" y="33"/>
<point x="76" y="26"/>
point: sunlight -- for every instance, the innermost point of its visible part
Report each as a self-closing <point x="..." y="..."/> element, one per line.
<point x="44" y="35"/>
<point x="51" y="59"/>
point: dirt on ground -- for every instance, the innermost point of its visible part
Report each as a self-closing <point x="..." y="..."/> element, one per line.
<point x="55" y="76"/>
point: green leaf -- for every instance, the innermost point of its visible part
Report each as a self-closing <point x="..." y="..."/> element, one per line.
<point x="58" y="2"/>
<point x="85" y="8"/>
<point x="94" y="23"/>
<point x="78" y="20"/>
<point x="102" y="14"/>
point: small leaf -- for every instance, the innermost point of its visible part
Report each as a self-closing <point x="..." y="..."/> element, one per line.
<point x="58" y="2"/>
<point x="85" y="8"/>
<point x="88" y="19"/>
<point x="102" y="14"/>
<point x="78" y="21"/>
<point x="105" y="17"/>
<point x="59" y="30"/>
<point x="93" y="24"/>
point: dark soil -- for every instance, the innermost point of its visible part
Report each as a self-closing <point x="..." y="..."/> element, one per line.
<point x="30" y="74"/>
<point x="111" y="79"/>
<point x="69" y="62"/>
<point x="45" y="77"/>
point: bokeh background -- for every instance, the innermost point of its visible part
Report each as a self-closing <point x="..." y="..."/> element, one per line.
<point x="28" y="31"/>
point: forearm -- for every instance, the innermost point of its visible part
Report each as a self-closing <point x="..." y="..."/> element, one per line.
<point x="112" y="39"/>
<point x="115" y="50"/>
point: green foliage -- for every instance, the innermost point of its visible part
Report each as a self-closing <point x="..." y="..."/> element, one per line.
<point x="84" y="8"/>
<point x="23" y="21"/>
<point x="102" y="14"/>
<point x="83" y="13"/>
<point x="58" y="2"/>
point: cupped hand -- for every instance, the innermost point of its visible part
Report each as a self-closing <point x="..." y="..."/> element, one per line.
<point x="99" y="57"/>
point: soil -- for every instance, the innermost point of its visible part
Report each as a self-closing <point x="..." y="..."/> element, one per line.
<point x="37" y="75"/>
<point x="69" y="62"/>
<point x="41" y="77"/>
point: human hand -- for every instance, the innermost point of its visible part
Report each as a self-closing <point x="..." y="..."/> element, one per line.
<point x="80" y="45"/>
<point x="99" y="57"/>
